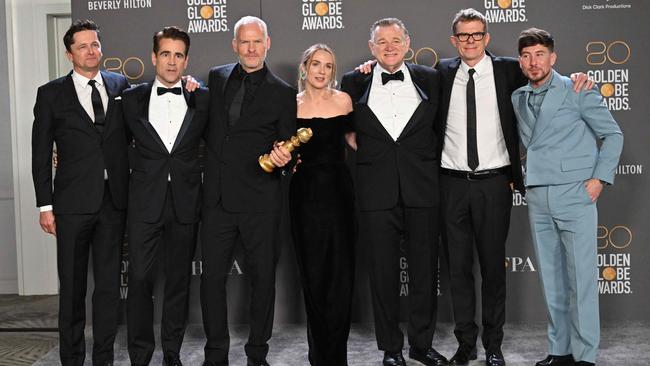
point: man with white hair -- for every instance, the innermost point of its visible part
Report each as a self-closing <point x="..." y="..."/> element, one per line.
<point x="250" y="109"/>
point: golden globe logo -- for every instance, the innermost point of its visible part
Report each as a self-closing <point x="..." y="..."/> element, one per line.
<point x="614" y="262"/>
<point x="207" y="16"/>
<point x="505" y="11"/>
<point x="608" y="60"/>
<point x="322" y="14"/>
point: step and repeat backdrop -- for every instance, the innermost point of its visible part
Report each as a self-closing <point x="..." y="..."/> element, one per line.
<point x="607" y="39"/>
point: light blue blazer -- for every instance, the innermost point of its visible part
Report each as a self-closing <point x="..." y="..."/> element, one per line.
<point x="562" y="142"/>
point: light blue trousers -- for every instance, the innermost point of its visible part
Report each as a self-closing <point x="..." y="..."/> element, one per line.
<point x="563" y="223"/>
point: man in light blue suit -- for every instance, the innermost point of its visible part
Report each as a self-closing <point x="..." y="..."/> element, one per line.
<point x="565" y="174"/>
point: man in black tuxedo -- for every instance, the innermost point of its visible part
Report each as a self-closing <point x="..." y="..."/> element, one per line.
<point x="480" y="167"/>
<point x="250" y="109"/>
<point x="167" y="123"/>
<point x="397" y="180"/>
<point x="81" y="113"/>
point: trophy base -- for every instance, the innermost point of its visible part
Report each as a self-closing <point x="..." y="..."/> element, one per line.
<point x="265" y="163"/>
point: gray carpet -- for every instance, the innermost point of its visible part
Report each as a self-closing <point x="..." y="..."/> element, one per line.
<point x="622" y="344"/>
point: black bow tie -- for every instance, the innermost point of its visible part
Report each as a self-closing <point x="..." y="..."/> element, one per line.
<point x="386" y="77"/>
<point x="176" y="90"/>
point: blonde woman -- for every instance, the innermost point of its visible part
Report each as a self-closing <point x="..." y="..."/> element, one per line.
<point x="322" y="208"/>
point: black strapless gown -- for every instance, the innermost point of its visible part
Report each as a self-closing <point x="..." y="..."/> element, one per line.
<point x="323" y="228"/>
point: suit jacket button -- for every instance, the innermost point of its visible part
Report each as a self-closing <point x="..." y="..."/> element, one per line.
<point x="227" y="137"/>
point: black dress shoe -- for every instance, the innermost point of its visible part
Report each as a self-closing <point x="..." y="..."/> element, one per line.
<point x="554" y="360"/>
<point x="393" y="359"/>
<point x="494" y="359"/>
<point x="463" y="355"/>
<point x="172" y="360"/>
<point x="584" y="363"/>
<point x="429" y="357"/>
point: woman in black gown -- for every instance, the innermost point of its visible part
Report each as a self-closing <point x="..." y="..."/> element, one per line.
<point x="322" y="208"/>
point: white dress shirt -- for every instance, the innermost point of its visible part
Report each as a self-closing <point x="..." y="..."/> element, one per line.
<point x="492" y="152"/>
<point x="84" y="94"/>
<point x="166" y="114"/>
<point x="394" y="103"/>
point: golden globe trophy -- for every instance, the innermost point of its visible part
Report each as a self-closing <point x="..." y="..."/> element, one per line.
<point x="302" y="136"/>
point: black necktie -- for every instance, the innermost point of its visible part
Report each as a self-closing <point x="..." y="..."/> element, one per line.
<point x="472" y="149"/>
<point x="236" y="106"/>
<point x="176" y="90"/>
<point x="386" y="77"/>
<point x="98" y="106"/>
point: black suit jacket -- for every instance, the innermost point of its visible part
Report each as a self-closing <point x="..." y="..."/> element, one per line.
<point x="233" y="176"/>
<point x="151" y="163"/>
<point x="507" y="78"/>
<point x="83" y="152"/>
<point x="389" y="169"/>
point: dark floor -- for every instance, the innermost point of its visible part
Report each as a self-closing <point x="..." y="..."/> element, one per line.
<point x="27" y="337"/>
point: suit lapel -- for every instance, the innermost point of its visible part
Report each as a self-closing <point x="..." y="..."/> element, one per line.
<point x="449" y="83"/>
<point x="419" y="84"/>
<point x="501" y="87"/>
<point x="145" y="96"/>
<point x="189" y="116"/>
<point x="73" y="102"/>
<point x="524" y="115"/>
<point x="552" y="101"/>
<point x="112" y="89"/>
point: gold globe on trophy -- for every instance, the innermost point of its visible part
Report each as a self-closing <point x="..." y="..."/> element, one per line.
<point x="302" y="136"/>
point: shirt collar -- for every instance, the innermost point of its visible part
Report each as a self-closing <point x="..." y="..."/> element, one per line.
<point x="481" y="68"/>
<point x="82" y="81"/>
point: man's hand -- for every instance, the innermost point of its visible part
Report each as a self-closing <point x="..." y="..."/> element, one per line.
<point x="594" y="187"/>
<point x="280" y="156"/>
<point x="191" y="84"/>
<point x="46" y="220"/>
<point x="366" y="67"/>
<point x="581" y="81"/>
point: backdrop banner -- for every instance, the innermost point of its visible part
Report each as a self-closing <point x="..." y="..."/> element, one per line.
<point x="603" y="38"/>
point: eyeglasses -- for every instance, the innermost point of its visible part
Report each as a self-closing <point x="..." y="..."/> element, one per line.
<point x="464" y="37"/>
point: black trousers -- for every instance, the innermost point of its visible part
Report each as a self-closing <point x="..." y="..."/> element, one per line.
<point x="220" y="231"/>
<point x="381" y="233"/>
<point x="169" y="244"/>
<point x="77" y="236"/>
<point x="477" y="214"/>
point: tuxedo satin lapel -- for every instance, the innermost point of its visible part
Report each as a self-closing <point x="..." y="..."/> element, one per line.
<point x="416" y="118"/>
<point x="419" y="83"/>
<point x="552" y="102"/>
<point x="368" y="116"/>
<point x="145" y="95"/>
<point x="187" y="121"/>
<point x="423" y="103"/>
<point x="70" y="93"/>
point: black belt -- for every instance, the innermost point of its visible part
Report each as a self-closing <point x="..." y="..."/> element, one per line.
<point x="478" y="175"/>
